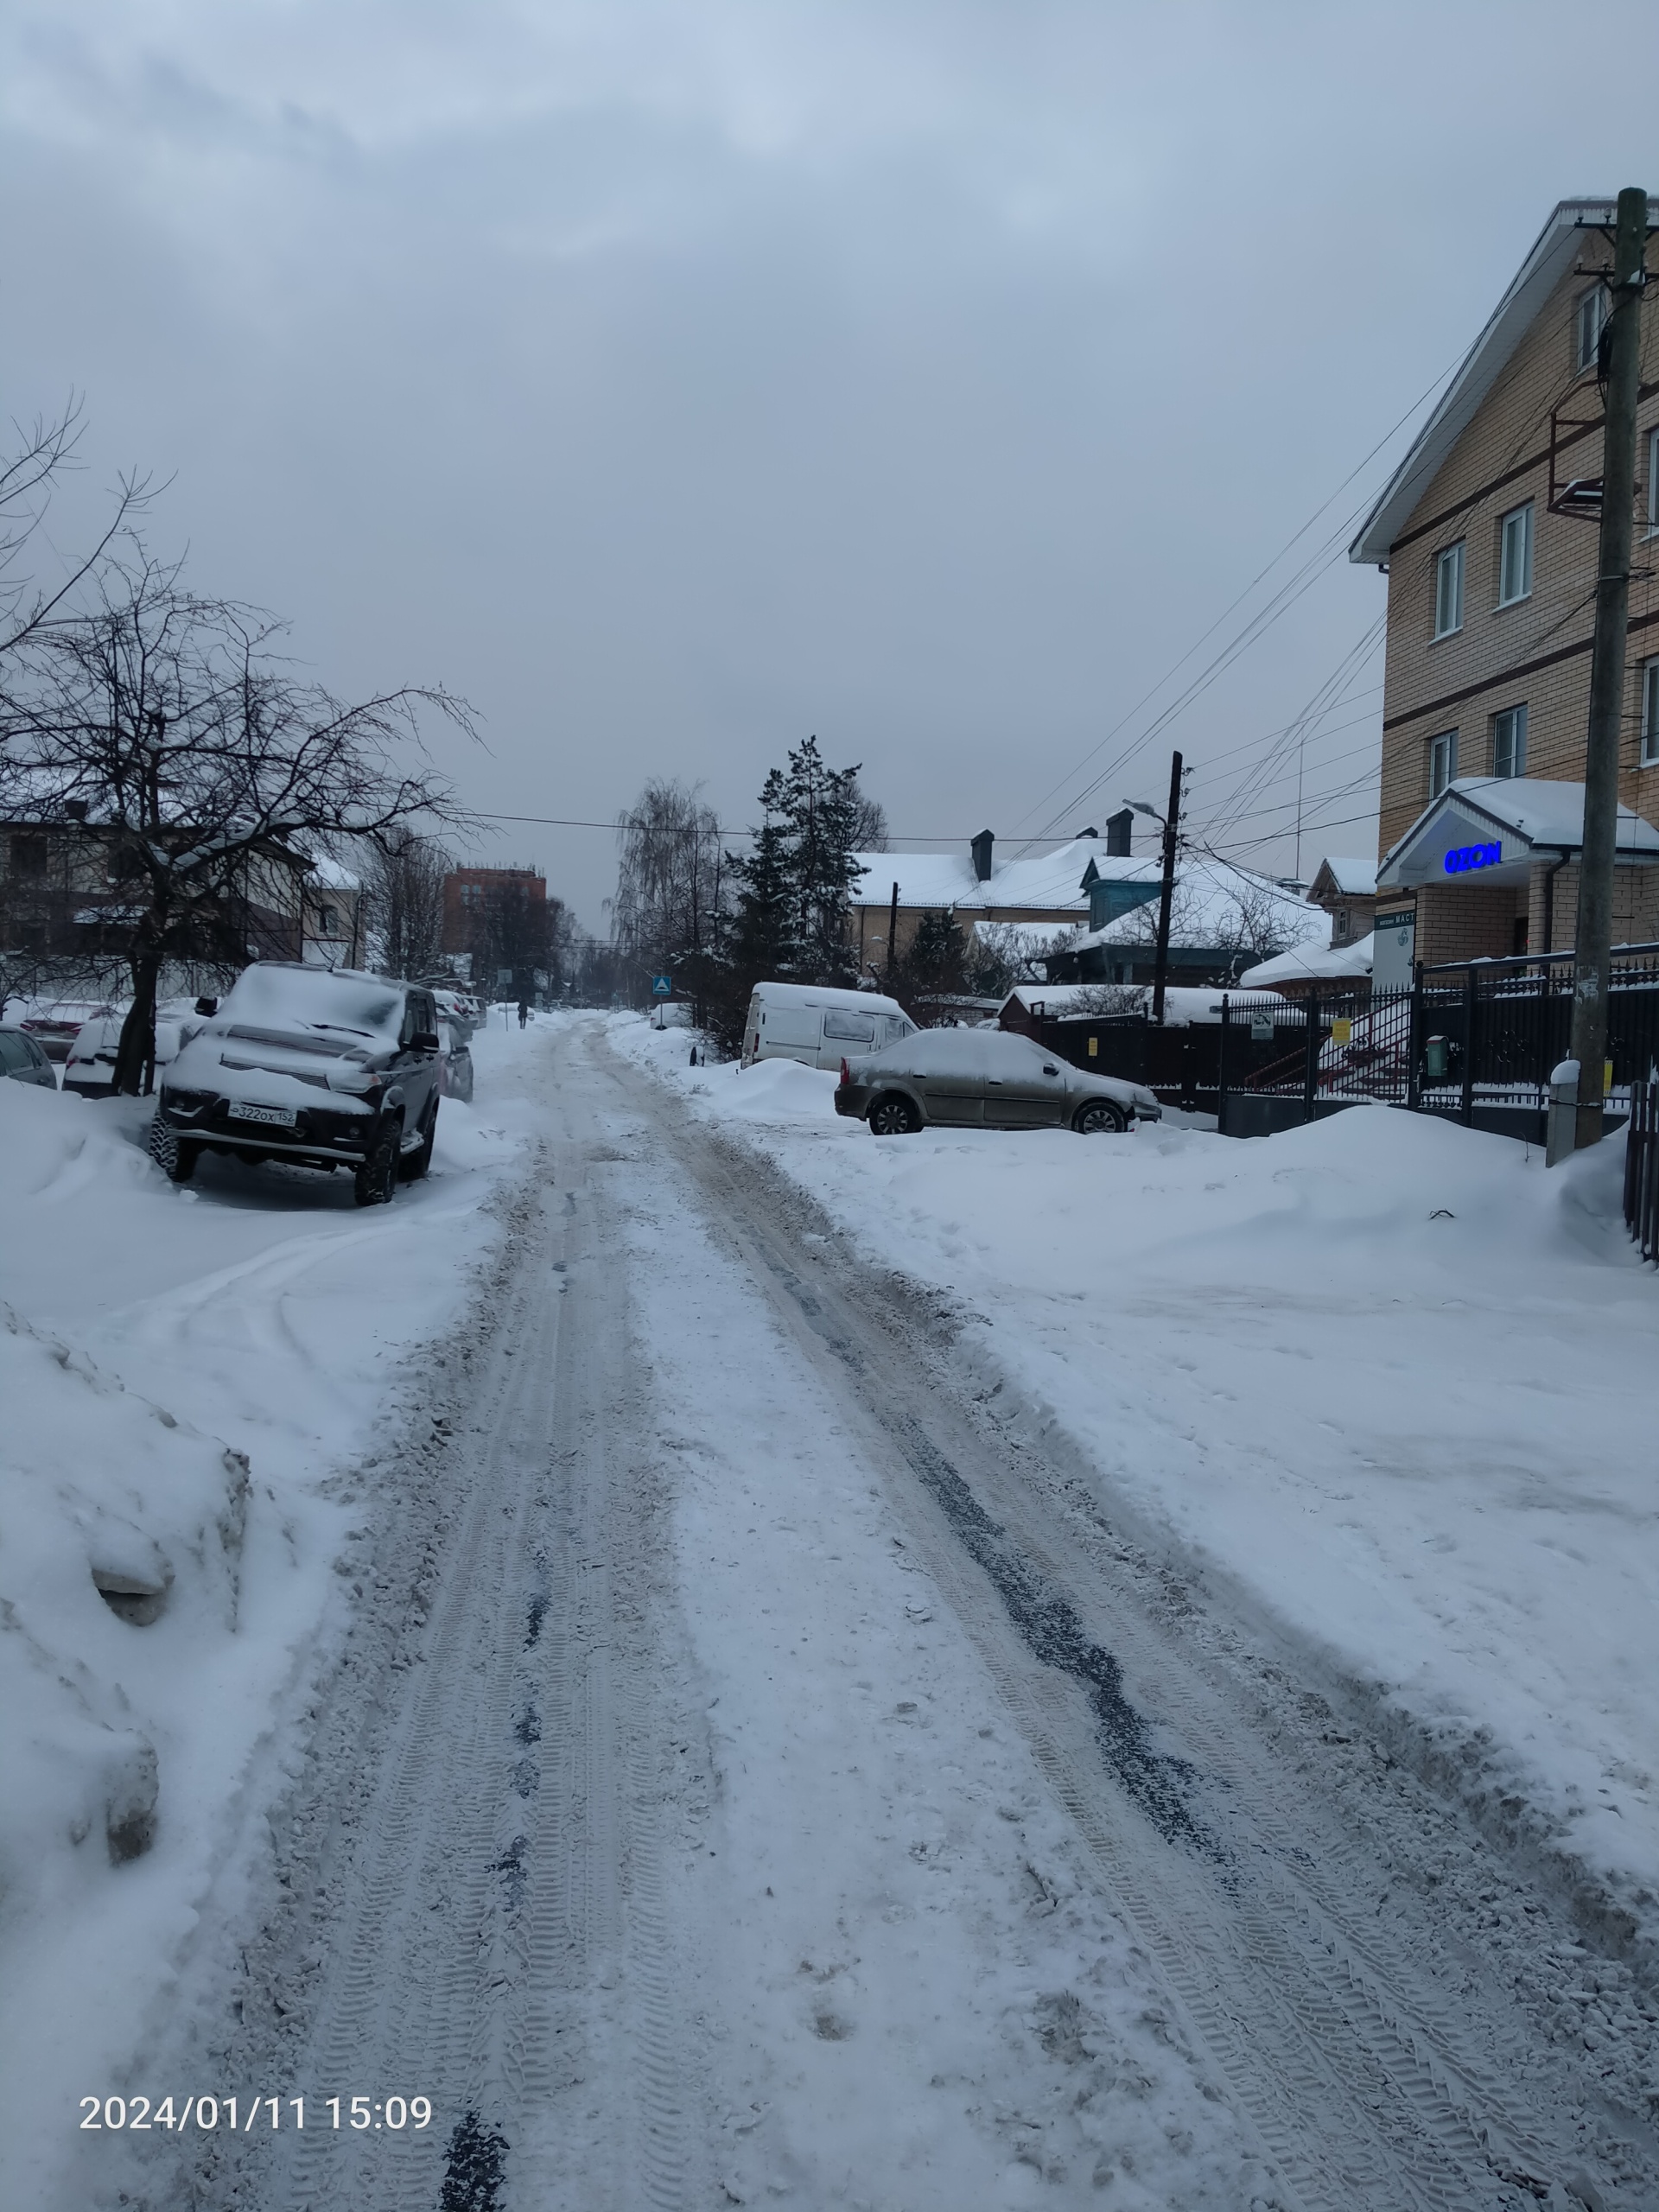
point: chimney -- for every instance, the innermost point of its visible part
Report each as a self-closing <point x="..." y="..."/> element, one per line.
<point x="982" y="849"/>
<point x="1119" y="827"/>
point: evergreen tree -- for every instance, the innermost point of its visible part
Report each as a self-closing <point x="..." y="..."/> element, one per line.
<point x="820" y="809"/>
<point x="765" y="938"/>
<point x="933" y="966"/>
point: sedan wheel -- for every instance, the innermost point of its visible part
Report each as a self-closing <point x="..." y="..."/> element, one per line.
<point x="893" y="1117"/>
<point x="1100" y="1115"/>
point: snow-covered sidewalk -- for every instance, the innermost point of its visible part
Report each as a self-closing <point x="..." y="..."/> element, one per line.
<point x="183" y="1375"/>
<point x="1385" y="1382"/>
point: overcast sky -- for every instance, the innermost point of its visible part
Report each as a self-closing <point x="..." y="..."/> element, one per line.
<point x="678" y="380"/>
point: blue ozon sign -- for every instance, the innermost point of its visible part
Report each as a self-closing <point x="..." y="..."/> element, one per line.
<point x="1464" y="857"/>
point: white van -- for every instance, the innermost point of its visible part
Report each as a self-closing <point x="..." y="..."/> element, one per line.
<point x="798" y="1022"/>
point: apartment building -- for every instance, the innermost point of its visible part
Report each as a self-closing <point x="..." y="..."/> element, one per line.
<point x="1487" y="534"/>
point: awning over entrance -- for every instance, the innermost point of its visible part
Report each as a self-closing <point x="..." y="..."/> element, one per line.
<point x="1485" y="829"/>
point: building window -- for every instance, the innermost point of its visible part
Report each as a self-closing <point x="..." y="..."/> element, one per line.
<point x="1442" y="762"/>
<point x="1588" y="318"/>
<point x="1448" y="591"/>
<point x="327" y="923"/>
<point x="1514" y="555"/>
<point x="1649" y="713"/>
<point x="1510" y="743"/>
<point x="1653" y="483"/>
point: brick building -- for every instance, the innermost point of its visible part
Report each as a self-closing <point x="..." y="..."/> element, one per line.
<point x="1487" y="532"/>
<point x="498" y="919"/>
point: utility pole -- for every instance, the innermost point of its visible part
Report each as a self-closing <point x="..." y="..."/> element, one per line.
<point x="1592" y="960"/>
<point x="892" y="937"/>
<point x="1171" y="827"/>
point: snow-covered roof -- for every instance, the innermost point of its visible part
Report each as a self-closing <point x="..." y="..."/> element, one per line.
<point x="1209" y="897"/>
<point x="1308" y="963"/>
<point x="327" y="875"/>
<point x="1557" y="247"/>
<point x="1025" y="936"/>
<point x="1518" y="814"/>
<point x="1183" y="1003"/>
<point x="1052" y="881"/>
<point x="1349" y="878"/>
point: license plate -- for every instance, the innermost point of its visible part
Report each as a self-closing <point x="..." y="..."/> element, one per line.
<point x="280" y="1118"/>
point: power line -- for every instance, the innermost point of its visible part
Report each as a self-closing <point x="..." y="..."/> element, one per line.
<point x="1258" y="624"/>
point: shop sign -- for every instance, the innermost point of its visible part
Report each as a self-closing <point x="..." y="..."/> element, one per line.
<point x="1462" y="858"/>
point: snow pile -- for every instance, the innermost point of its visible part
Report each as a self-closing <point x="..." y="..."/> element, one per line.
<point x="184" y="1373"/>
<point x="120" y="1550"/>
<point x="1390" y="1380"/>
<point x="770" y="1090"/>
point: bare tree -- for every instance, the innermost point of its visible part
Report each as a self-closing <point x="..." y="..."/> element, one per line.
<point x="403" y="874"/>
<point x="42" y="451"/>
<point x="673" y="883"/>
<point x="165" y="724"/>
<point x="1241" y="917"/>
<point x="870" y="820"/>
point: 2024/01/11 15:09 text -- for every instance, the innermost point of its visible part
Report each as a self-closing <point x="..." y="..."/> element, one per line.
<point x="391" y="2114"/>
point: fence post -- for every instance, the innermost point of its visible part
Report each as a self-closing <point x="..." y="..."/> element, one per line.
<point x="1311" y="1079"/>
<point x="1414" y="1042"/>
<point x="1470" y="1015"/>
<point x="1221" y="1074"/>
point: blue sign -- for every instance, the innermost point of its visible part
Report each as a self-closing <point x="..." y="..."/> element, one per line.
<point x="1468" y="856"/>
<point x="662" y="987"/>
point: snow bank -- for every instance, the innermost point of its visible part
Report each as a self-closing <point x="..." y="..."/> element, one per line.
<point x="1389" y="1381"/>
<point x="183" y="1373"/>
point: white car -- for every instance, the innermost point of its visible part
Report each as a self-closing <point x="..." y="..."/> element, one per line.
<point x="89" y="1068"/>
<point x="819" y="1026"/>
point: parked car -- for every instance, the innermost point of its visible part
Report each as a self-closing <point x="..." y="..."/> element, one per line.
<point x="89" y="1068"/>
<point x="54" y="1027"/>
<point x="321" y="1067"/>
<point x="987" y="1078"/>
<point x="455" y="1060"/>
<point x="23" y="1060"/>
<point x="798" y="1021"/>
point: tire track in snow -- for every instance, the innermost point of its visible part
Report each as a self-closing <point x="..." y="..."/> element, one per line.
<point x="1376" y="2076"/>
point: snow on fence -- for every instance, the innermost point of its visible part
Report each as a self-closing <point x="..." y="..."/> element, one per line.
<point x="1472" y="1041"/>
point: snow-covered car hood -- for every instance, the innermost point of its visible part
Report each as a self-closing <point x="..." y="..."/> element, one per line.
<point x="236" y="1061"/>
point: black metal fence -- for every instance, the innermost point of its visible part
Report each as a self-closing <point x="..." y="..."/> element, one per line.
<point x="1641" y="1169"/>
<point x="1474" y="1042"/>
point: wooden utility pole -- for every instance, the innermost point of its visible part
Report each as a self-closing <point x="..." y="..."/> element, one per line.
<point x="893" y="935"/>
<point x="1592" y="956"/>
<point x="1171" y="828"/>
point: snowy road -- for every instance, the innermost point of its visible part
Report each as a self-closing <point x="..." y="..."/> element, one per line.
<point x="756" y="1777"/>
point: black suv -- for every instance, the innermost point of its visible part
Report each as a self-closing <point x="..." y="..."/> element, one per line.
<point x="322" y="1067"/>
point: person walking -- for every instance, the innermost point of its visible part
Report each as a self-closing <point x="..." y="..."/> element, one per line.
<point x="524" y="1012"/>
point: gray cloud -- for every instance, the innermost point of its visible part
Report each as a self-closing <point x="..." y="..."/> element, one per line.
<point x="675" y="381"/>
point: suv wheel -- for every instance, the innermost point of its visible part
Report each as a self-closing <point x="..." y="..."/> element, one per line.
<point x="377" y="1179"/>
<point x="412" y="1165"/>
<point x="1100" y="1115"/>
<point x="893" y="1117"/>
<point x="176" y="1158"/>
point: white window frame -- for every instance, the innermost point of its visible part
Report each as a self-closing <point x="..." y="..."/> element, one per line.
<point x="1517" y="521"/>
<point x="1650" y="713"/>
<point x="1653" y="483"/>
<point x="1515" y="717"/>
<point x="1449" y="562"/>
<point x="1442" y="756"/>
<point x="1589" y="320"/>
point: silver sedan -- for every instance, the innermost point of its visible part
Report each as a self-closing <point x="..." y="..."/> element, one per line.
<point x="983" y="1078"/>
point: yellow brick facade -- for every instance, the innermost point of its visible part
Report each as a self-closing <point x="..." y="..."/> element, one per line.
<point x="1535" y="652"/>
